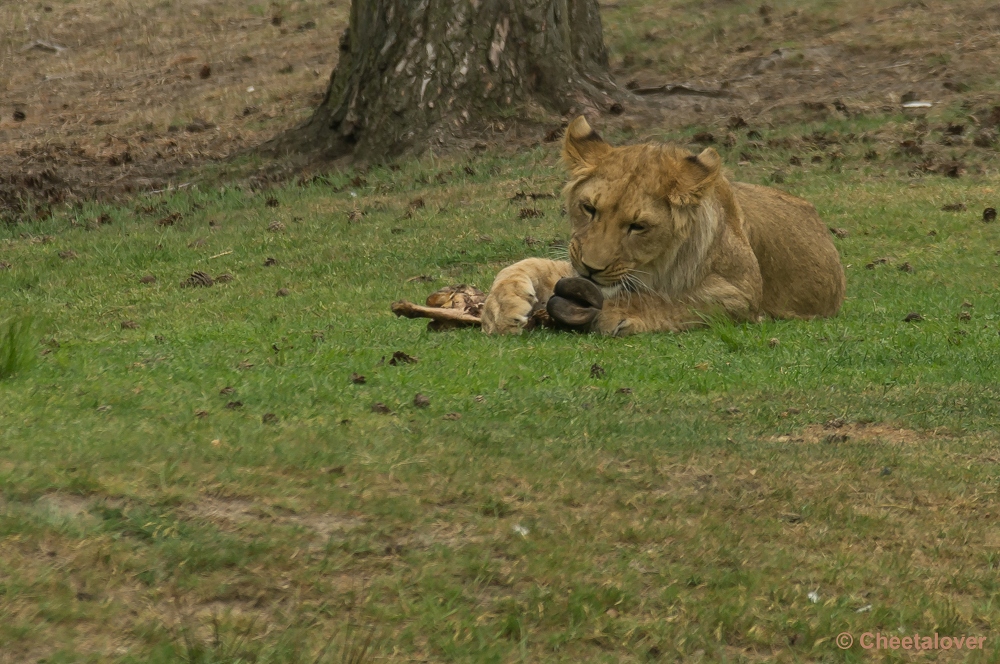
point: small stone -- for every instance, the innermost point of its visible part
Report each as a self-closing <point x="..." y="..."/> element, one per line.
<point x="148" y="279"/>
<point x="421" y="401"/>
<point x="885" y="471"/>
<point x="269" y="418"/>
<point x="282" y="292"/>
<point x="913" y="317"/>
<point x="276" y="226"/>
<point x="381" y="408"/>
<point x="773" y="342"/>
<point x="357" y="379"/>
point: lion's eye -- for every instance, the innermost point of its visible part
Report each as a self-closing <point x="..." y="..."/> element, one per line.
<point x="636" y="228"/>
<point x="589" y="209"/>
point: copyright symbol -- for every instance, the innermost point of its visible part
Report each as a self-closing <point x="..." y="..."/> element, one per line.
<point x="844" y="640"/>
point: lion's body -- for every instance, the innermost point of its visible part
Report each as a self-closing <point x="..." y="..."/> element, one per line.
<point x="668" y="239"/>
<point x="799" y="265"/>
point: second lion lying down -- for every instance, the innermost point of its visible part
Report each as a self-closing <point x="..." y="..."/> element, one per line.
<point x="660" y="239"/>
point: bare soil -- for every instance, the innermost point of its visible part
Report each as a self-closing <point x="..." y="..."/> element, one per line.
<point x="102" y="99"/>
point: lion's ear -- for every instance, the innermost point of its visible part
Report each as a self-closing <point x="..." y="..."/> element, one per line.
<point x="697" y="176"/>
<point x="583" y="147"/>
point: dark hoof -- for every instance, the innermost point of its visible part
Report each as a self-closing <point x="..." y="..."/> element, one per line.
<point x="576" y="303"/>
<point x="567" y="313"/>
<point x="583" y="292"/>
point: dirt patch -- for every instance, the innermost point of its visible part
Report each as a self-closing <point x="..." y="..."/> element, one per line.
<point x="105" y="99"/>
<point x="842" y="432"/>
<point x="820" y="62"/>
<point x="237" y="512"/>
<point x="66" y="506"/>
<point x="133" y="94"/>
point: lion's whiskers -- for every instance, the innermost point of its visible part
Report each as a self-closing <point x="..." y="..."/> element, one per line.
<point x="560" y="253"/>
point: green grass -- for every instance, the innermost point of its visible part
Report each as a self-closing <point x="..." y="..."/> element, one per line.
<point x="17" y="352"/>
<point x="560" y="518"/>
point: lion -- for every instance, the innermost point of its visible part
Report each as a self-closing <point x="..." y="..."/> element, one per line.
<point x="662" y="241"/>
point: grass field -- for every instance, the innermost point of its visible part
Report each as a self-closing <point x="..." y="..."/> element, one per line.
<point x="191" y="474"/>
<point x="180" y="453"/>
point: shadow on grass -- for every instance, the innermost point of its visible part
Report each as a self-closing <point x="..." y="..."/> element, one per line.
<point x="16" y="346"/>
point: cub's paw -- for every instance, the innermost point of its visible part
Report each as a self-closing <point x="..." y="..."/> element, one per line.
<point x="507" y="308"/>
<point x="576" y="303"/>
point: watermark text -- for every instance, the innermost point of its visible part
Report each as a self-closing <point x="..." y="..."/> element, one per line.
<point x="880" y="641"/>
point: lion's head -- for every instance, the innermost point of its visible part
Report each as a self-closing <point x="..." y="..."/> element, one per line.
<point x="640" y="214"/>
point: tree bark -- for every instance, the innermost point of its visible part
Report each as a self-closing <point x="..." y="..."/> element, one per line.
<point x="416" y="73"/>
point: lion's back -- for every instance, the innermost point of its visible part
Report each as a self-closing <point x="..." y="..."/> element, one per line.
<point x="800" y="267"/>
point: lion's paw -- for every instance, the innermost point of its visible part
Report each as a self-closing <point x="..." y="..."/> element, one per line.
<point x="508" y="307"/>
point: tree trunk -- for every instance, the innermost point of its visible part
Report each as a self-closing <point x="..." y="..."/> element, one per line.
<point x="416" y="73"/>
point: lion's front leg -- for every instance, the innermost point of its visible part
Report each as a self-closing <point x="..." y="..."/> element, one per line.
<point x="517" y="290"/>
<point x="644" y="313"/>
<point x="632" y="313"/>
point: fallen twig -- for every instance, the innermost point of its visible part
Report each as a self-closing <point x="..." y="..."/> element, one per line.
<point x="180" y="186"/>
<point x="48" y="47"/>
<point x="677" y="89"/>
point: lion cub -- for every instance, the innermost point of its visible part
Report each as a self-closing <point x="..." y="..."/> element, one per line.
<point x="660" y="238"/>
